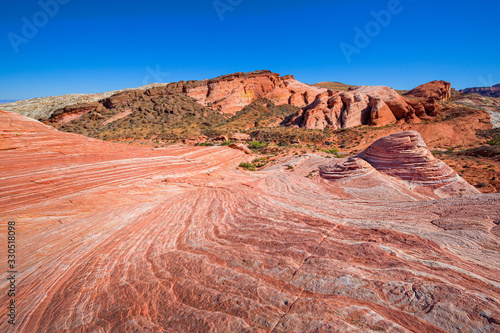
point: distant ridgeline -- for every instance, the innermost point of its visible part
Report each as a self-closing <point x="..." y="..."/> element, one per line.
<point x="5" y="101"/>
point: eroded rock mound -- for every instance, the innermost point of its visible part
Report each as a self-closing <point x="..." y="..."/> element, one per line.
<point x="226" y="94"/>
<point x="353" y="167"/>
<point x="178" y="240"/>
<point x="366" y="105"/>
<point x="435" y="90"/>
<point x="231" y="93"/>
<point x="372" y="105"/>
<point x="403" y="156"/>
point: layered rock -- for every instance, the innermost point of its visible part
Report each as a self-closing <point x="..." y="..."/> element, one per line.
<point x="403" y="156"/>
<point x="351" y="168"/>
<point x="44" y="107"/>
<point x="372" y="105"/>
<point x="116" y="238"/>
<point x="484" y="91"/>
<point x="72" y="112"/>
<point x="227" y="94"/>
<point x="366" y="105"/>
<point x="435" y="90"/>
<point x="231" y="93"/>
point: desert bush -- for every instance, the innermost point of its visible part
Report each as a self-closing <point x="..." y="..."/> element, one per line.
<point x="257" y="145"/>
<point x="247" y="166"/>
<point x="260" y="162"/>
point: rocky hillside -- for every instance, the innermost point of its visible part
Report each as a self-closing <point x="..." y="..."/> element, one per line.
<point x="44" y="107"/>
<point x="373" y="105"/>
<point x="226" y="94"/>
<point x="484" y="91"/>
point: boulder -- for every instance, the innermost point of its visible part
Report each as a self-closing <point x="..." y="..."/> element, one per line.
<point x="240" y="137"/>
<point x="75" y="111"/>
<point x="241" y="147"/>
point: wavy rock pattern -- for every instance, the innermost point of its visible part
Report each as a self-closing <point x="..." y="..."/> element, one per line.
<point x="353" y="167"/>
<point x="404" y="155"/>
<point x="123" y="239"/>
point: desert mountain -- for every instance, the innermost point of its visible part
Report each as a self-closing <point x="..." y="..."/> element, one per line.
<point x="178" y="239"/>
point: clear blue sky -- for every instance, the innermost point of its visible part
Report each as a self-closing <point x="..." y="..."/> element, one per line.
<point x="95" y="46"/>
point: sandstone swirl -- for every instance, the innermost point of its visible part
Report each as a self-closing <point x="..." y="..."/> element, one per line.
<point x="113" y="238"/>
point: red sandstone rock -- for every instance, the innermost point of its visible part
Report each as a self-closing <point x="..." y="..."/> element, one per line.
<point x="231" y="93"/>
<point x="115" y="238"/>
<point x="405" y="156"/>
<point x="227" y="94"/>
<point x="435" y="90"/>
<point x="72" y="112"/>
<point x="375" y="105"/>
<point x="241" y="147"/>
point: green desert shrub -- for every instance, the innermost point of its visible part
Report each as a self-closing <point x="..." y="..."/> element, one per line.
<point x="247" y="166"/>
<point x="260" y="162"/>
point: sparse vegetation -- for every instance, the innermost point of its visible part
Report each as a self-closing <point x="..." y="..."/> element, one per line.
<point x="260" y="162"/>
<point x="247" y="166"/>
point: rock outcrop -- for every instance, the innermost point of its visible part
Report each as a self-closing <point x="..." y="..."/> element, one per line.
<point x="72" y="112"/>
<point x="366" y="105"/>
<point x="404" y="157"/>
<point x="484" y="91"/>
<point x="435" y="90"/>
<point x="372" y="105"/>
<point x="44" y="107"/>
<point x="231" y="93"/>
<point x="117" y="238"/>
<point x="226" y="94"/>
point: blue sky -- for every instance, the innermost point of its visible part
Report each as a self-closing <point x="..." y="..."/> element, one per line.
<point x="87" y="46"/>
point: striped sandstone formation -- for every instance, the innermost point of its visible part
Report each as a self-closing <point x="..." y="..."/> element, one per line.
<point x="114" y="238"/>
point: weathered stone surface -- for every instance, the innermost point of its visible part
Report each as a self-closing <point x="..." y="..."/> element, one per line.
<point x="44" y="107"/>
<point x="405" y="155"/>
<point x="324" y="112"/>
<point x="227" y="94"/>
<point x="241" y="147"/>
<point x="231" y="93"/>
<point x="380" y="113"/>
<point x="375" y="105"/>
<point x="72" y="112"/>
<point x="116" y="238"/>
<point x="435" y="90"/>
<point x="484" y="91"/>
